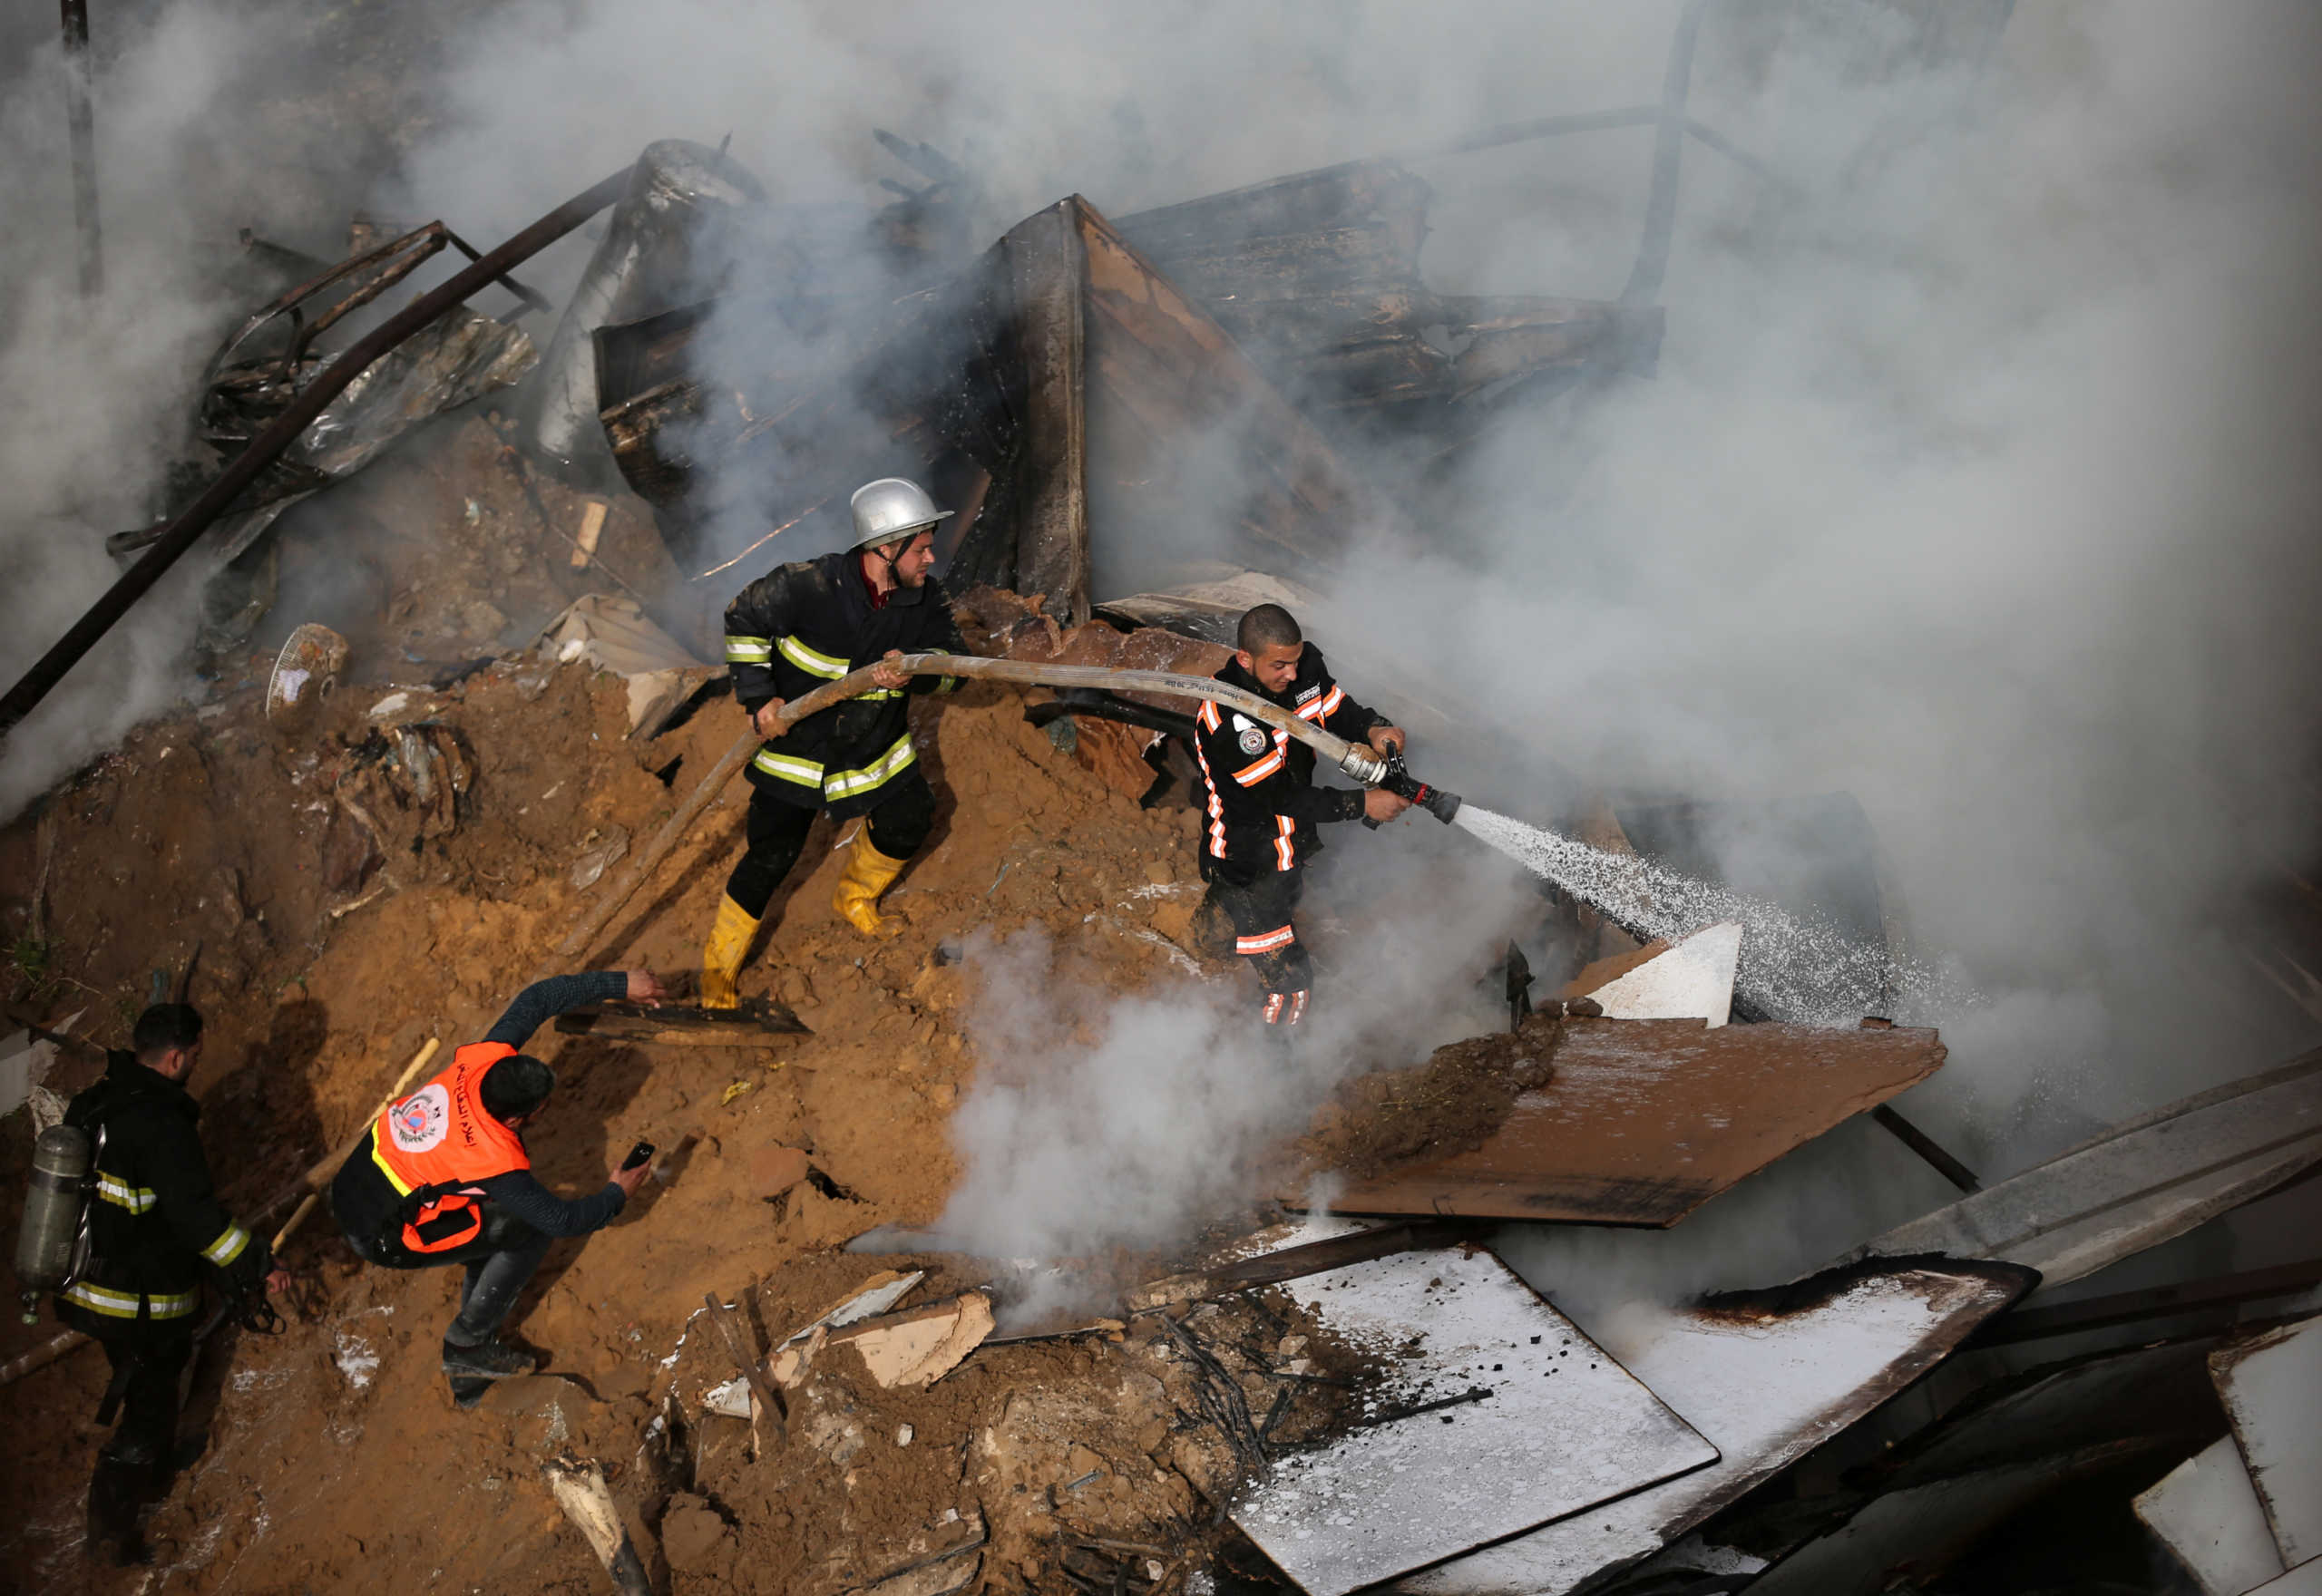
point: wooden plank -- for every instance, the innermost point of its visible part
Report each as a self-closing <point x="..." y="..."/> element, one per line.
<point x="1307" y="201"/>
<point x="1644" y="1120"/>
<point x="1048" y="270"/>
<point x="755" y="1025"/>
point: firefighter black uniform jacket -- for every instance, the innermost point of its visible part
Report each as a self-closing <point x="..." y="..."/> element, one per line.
<point x="1263" y="806"/>
<point x="155" y="1223"/>
<point x="801" y="626"/>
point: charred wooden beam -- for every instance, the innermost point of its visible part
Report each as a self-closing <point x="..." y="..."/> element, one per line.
<point x="1049" y="268"/>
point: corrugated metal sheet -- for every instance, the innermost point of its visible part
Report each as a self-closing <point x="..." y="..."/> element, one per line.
<point x="2138" y="1184"/>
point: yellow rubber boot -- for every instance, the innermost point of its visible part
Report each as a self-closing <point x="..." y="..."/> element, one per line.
<point x="730" y="937"/>
<point x="869" y="872"/>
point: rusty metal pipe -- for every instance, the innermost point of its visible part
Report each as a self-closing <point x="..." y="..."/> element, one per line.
<point x="182" y="532"/>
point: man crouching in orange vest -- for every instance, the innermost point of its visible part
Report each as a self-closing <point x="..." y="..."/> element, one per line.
<point x="444" y="1177"/>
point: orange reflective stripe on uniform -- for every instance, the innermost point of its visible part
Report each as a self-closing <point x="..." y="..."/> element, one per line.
<point x="1323" y="708"/>
<point x="1285" y="848"/>
<point x="1216" y="806"/>
<point x="1250" y="775"/>
<point x="1266" y="941"/>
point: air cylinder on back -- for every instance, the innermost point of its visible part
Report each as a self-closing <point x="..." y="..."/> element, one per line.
<point x="55" y="1204"/>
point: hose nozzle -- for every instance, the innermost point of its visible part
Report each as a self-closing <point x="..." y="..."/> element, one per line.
<point x="1399" y="781"/>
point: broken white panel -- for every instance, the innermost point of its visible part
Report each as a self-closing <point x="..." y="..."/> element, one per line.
<point x="1564" y="1427"/>
<point x="2136" y="1185"/>
<point x="1690" y="980"/>
<point x="2272" y="1392"/>
<point x="2305" y="1579"/>
<point x="732" y="1398"/>
<point x="865" y="1304"/>
<point x="23" y="1064"/>
<point x="1765" y="1391"/>
<point x="2206" y="1512"/>
<point x="615" y="634"/>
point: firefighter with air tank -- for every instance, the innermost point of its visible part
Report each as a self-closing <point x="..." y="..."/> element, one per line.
<point x="793" y="630"/>
<point x="131" y="1257"/>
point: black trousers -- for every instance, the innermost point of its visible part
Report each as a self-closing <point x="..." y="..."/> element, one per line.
<point x="777" y="835"/>
<point x="148" y="1363"/>
<point x="1262" y="913"/>
<point x="499" y="1264"/>
<point x="134" y="1465"/>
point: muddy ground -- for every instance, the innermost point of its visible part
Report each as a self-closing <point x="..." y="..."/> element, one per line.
<point x="334" y="921"/>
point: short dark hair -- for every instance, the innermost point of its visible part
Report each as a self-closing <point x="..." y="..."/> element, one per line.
<point x="517" y="1085"/>
<point x="1269" y="626"/>
<point x="165" y="1025"/>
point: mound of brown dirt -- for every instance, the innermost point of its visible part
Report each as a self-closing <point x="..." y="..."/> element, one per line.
<point x="333" y="1449"/>
<point x="1451" y="1105"/>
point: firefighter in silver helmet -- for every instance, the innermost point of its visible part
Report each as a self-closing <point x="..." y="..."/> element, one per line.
<point x="791" y="631"/>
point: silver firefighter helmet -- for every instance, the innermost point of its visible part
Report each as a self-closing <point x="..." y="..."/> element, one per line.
<point x="889" y="509"/>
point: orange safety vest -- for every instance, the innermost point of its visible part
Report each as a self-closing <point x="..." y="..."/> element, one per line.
<point x="436" y="1144"/>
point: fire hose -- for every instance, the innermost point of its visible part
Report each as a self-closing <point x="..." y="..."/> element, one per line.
<point x="1356" y="759"/>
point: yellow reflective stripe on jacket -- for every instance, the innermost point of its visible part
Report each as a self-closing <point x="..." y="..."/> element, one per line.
<point x="882" y="692"/>
<point x="946" y="684"/>
<point x="847" y="783"/>
<point x="228" y="1247"/>
<point x="384" y="1167"/>
<point x="740" y="650"/>
<point x="790" y="768"/>
<point x="808" y="660"/>
<point x="125" y="1304"/>
<point x="136" y="1199"/>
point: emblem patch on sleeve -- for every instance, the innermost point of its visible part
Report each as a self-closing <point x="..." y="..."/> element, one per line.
<point x="1252" y="740"/>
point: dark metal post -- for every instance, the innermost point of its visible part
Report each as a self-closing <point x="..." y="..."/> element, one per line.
<point x="280" y="433"/>
<point x="82" y="117"/>
<point x="1925" y="1145"/>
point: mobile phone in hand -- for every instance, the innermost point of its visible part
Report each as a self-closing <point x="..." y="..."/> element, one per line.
<point x="640" y="1153"/>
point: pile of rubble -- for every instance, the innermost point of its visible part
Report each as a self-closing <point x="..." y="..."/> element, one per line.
<point x="1369" y="1398"/>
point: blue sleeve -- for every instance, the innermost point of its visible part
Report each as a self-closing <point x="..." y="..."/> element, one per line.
<point x="542" y="1001"/>
<point x="518" y="1194"/>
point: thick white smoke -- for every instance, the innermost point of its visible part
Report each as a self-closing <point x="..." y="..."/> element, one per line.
<point x="1977" y="478"/>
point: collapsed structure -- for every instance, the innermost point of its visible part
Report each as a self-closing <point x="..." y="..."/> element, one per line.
<point x="1372" y="1399"/>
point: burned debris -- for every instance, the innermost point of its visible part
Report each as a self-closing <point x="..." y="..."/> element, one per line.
<point x="1345" y="1384"/>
